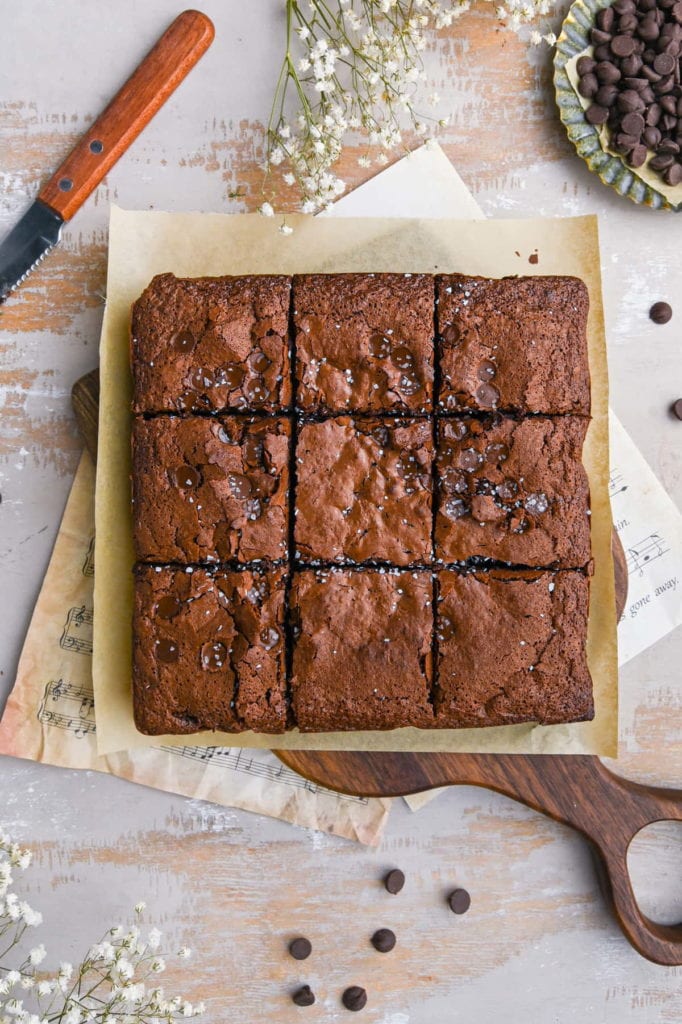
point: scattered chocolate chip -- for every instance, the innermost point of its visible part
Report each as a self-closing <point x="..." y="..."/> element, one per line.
<point x="187" y="476"/>
<point x="677" y="408"/>
<point x="303" y="996"/>
<point x="300" y="948"/>
<point x="596" y="114"/>
<point x="354" y="998"/>
<point x="459" y="901"/>
<point x="673" y="175"/>
<point x="383" y="940"/>
<point x="660" y="312"/>
<point x="622" y="46"/>
<point x="394" y="881"/>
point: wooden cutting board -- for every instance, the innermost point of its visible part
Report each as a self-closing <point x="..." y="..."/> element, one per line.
<point x="577" y="790"/>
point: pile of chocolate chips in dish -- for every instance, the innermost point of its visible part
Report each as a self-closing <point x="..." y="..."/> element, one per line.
<point x="633" y="81"/>
<point x="355" y="996"/>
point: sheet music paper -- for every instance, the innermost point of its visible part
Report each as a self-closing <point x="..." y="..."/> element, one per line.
<point x="650" y="529"/>
<point x="50" y="714"/>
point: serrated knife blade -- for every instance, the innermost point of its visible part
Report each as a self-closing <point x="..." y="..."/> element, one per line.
<point x="26" y="244"/>
<point x="148" y="88"/>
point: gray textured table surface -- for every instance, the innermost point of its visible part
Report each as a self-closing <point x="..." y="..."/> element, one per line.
<point x="538" y="944"/>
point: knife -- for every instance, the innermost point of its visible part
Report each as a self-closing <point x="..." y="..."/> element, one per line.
<point x="148" y="88"/>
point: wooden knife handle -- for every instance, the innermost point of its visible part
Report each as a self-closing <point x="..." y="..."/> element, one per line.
<point x="148" y="88"/>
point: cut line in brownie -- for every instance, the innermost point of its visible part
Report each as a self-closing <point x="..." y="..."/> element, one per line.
<point x="212" y="344"/>
<point x="364" y="342"/>
<point x="513" y="491"/>
<point x="363" y="490"/>
<point x="208" y="650"/>
<point x="514" y="344"/>
<point x="210" y="489"/>
<point x="511" y="648"/>
<point x="362" y="654"/>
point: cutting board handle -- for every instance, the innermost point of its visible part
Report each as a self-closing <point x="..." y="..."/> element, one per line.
<point x="576" y="789"/>
<point x="148" y="88"/>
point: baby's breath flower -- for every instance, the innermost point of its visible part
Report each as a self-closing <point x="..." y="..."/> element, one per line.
<point x="184" y="953"/>
<point x="286" y="229"/>
<point x="360" y="69"/>
<point x="37" y="955"/>
<point x="139" y="907"/>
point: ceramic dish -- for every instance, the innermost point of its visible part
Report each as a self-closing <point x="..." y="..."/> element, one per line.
<point x="612" y="169"/>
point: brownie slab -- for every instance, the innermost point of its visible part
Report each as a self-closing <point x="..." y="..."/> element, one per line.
<point x="211" y="344"/>
<point x="513" y="490"/>
<point x="364" y="342"/>
<point x="362" y="649"/>
<point x="208" y="650"/>
<point x="210" y="489"/>
<point x="511" y="648"/>
<point x="363" y="490"/>
<point x="517" y="344"/>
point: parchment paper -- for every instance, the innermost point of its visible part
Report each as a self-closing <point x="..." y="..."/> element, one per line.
<point x="673" y="193"/>
<point x="50" y="714"/>
<point x="143" y="244"/>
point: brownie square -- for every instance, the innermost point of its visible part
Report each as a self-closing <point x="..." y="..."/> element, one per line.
<point x="511" y="648"/>
<point x="362" y="649"/>
<point x="364" y="342"/>
<point x="513" y="490"/>
<point x="363" y="490"/>
<point x="517" y="344"/>
<point x="211" y="344"/>
<point x="208" y="650"/>
<point x="210" y="489"/>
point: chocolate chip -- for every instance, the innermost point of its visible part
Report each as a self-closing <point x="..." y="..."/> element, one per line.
<point x="300" y="948"/>
<point x="213" y="655"/>
<point x="167" y="651"/>
<point x="183" y="341"/>
<point x="596" y="114"/>
<point x="606" y="95"/>
<point x="379" y="346"/>
<point x="383" y="940"/>
<point x="394" y="881"/>
<point x="459" y="901"/>
<point x="607" y="73"/>
<point x="258" y="361"/>
<point x="660" y="312"/>
<point x="451" y="334"/>
<point x="673" y="175"/>
<point x="637" y="156"/>
<point x="354" y="998"/>
<point x="402" y="358"/>
<point x="168" y="606"/>
<point x="585" y="65"/>
<point x="605" y="19"/>
<point x="652" y="137"/>
<point x="677" y="408"/>
<point x="664" y="64"/>
<point x="240" y="486"/>
<point x="662" y="162"/>
<point x="633" y="124"/>
<point x="630" y="101"/>
<point x="588" y="86"/>
<point x="622" y="46"/>
<point x="187" y="476"/>
<point x="303" y="996"/>
<point x="230" y="375"/>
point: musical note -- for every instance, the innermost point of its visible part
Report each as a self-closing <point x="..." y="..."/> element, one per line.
<point x="89" y="563"/>
<point x="77" y="632"/>
<point x="75" y="709"/>
<point x="236" y="759"/>
<point x="650" y="548"/>
<point x="616" y="485"/>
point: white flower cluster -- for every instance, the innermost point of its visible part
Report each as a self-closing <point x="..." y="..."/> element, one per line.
<point x="358" y="69"/>
<point x="113" y="984"/>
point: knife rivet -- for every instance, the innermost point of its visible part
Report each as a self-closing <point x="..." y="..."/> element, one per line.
<point x="66" y="184"/>
<point x="96" y="146"/>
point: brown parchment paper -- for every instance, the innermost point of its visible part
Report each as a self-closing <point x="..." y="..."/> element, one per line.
<point x="50" y="715"/>
<point x="673" y="193"/>
<point x="142" y="244"/>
